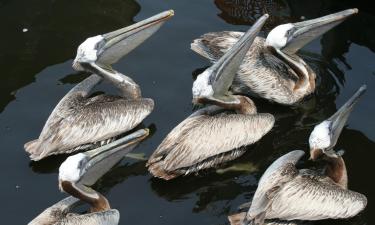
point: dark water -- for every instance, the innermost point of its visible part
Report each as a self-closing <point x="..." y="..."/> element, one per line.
<point x="36" y="72"/>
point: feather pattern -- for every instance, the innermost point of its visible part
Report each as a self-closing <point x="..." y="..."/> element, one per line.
<point x="313" y="197"/>
<point x="286" y="193"/>
<point x="59" y="214"/>
<point x="204" y="141"/>
<point x="109" y="217"/>
<point x="55" y="213"/>
<point x="78" y="120"/>
<point x="238" y="218"/>
<point x="262" y="73"/>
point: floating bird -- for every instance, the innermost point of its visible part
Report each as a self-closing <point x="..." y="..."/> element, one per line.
<point x="77" y="173"/>
<point x="286" y="193"/>
<point x="271" y="68"/>
<point x="216" y="133"/>
<point x="80" y="122"/>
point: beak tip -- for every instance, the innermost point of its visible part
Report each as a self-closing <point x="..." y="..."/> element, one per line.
<point x="355" y="10"/>
<point x="171" y="12"/>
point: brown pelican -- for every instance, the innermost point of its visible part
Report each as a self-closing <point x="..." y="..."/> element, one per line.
<point x="214" y="134"/>
<point x="272" y="69"/>
<point x="80" y="171"/>
<point x="80" y="122"/>
<point x="286" y="193"/>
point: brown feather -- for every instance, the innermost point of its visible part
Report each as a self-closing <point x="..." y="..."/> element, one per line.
<point x="204" y="141"/>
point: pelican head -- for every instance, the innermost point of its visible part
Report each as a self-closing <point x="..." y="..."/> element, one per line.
<point x="82" y="170"/>
<point x="105" y="50"/>
<point x="213" y="84"/>
<point x="325" y="135"/>
<point x="290" y="37"/>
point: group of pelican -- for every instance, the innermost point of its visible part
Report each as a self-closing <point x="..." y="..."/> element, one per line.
<point x="243" y="65"/>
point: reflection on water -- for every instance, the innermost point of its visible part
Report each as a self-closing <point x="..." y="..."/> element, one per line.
<point x="56" y="27"/>
<point x="54" y="30"/>
<point x="248" y="11"/>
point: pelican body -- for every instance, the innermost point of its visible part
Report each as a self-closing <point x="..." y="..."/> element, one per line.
<point x="81" y="122"/>
<point x="218" y="132"/>
<point x="80" y="171"/>
<point x="271" y="68"/>
<point x="289" y="194"/>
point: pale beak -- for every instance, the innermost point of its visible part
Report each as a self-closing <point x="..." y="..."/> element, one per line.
<point x="118" y="43"/>
<point x="221" y="74"/>
<point x="306" y="31"/>
<point x="339" y="119"/>
<point x="102" y="159"/>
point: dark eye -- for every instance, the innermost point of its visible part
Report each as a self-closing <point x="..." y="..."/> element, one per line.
<point x="290" y="32"/>
<point x="81" y="164"/>
<point x="100" y="44"/>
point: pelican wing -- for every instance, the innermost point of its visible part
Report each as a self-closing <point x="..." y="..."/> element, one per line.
<point x="312" y="197"/>
<point x="56" y="212"/>
<point x="213" y="45"/>
<point x="83" y="121"/>
<point x="277" y="174"/>
<point x="111" y="216"/>
<point x="202" y="137"/>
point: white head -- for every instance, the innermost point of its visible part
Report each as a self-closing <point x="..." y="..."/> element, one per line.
<point x="320" y="137"/>
<point x="87" y="52"/>
<point x="278" y="37"/>
<point x="202" y="86"/>
<point x="73" y="167"/>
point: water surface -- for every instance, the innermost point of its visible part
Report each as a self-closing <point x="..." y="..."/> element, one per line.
<point x="36" y="73"/>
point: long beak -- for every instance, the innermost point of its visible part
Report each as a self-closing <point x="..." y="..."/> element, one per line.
<point x="306" y="31"/>
<point x="221" y="74"/>
<point x="102" y="159"/>
<point x="120" y="42"/>
<point x="339" y="119"/>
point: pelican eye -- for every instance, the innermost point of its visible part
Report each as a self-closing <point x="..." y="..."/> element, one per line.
<point x="290" y="32"/>
<point x="99" y="47"/>
<point x="81" y="163"/>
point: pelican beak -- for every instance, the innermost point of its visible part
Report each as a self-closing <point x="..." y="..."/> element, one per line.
<point x="102" y="159"/>
<point x="120" y="42"/>
<point x="338" y="120"/>
<point x="306" y="31"/>
<point x="216" y="80"/>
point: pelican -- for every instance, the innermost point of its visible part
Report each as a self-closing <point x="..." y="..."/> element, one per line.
<point x="81" y="122"/>
<point x="271" y="68"/>
<point x="216" y="133"/>
<point x="288" y="194"/>
<point x="77" y="173"/>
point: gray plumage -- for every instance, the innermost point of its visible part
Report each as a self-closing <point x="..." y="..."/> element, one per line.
<point x="78" y="121"/>
<point x="59" y="214"/>
<point x="238" y="218"/>
<point x="203" y="141"/>
<point x="262" y="73"/>
<point x="289" y="194"/>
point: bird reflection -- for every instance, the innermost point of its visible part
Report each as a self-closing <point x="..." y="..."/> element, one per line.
<point x="52" y="35"/>
<point x="248" y="11"/>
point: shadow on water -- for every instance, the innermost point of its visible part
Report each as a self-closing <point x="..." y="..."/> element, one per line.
<point x="52" y="34"/>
